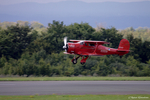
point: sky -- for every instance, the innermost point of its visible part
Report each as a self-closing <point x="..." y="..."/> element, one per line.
<point x="8" y="2"/>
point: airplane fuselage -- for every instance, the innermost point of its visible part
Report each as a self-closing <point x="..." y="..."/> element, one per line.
<point x="93" y="50"/>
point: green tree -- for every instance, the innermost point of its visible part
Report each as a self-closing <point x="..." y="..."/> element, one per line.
<point x="14" y="40"/>
<point x="110" y="35"/>
<point x="81" y="31"/>
<point x="102" y="69"/>
<point x="145" y="51"/>
<point x="3" y="60"/>
<point x="36" y="25"/>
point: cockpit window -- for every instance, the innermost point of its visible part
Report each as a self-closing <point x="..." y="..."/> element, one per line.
<point x="91" y="45"/>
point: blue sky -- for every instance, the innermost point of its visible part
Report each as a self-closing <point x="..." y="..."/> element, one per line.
<point x="120" y="15"/>
<point x="7" y="2"/>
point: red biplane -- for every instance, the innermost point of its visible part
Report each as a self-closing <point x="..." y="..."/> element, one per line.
<point x="86" y="48"/>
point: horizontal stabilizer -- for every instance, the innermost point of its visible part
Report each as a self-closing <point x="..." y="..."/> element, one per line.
<point x="123" y="50"/>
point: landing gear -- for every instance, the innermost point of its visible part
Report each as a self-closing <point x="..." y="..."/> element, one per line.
<point x="74" y="60"/>
<point x="83" y="61"/>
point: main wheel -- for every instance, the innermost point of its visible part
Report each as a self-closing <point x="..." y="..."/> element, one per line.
<point x="74" y="61"/>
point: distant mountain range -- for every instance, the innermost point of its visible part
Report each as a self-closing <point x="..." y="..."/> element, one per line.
<point x="119" y="15"/>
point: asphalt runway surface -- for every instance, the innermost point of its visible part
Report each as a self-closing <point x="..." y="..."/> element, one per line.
<point x="74" y="87"/>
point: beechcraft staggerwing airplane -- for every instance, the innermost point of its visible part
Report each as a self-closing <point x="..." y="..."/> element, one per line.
<point x="86" y="48"/>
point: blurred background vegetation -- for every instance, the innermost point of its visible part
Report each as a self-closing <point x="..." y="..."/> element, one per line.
<point x="29" y="48"/>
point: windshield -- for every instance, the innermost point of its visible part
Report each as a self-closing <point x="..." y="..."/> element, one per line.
<point x="81" y="42"/>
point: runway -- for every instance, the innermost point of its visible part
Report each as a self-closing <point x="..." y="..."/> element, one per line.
<point x="74" y="87"/>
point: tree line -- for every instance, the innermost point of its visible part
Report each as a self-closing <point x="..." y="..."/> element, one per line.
<point x="23" y="51"/>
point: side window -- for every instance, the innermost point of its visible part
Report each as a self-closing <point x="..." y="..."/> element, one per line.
<point x="86" y="44"/>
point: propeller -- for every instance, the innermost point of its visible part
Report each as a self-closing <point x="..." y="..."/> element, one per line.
<point x="65" y="44"/>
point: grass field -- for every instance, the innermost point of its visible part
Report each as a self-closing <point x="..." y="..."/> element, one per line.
<point x="77" y="97"/>
<point x="75" y="79"/>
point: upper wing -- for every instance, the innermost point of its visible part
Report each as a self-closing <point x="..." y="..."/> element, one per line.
<point x="97" y="42"/>
<point x="75" y="41"/>
<point x="92" y="42"/>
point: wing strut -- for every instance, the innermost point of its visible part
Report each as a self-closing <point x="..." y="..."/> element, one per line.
<point x="95" y="48"/>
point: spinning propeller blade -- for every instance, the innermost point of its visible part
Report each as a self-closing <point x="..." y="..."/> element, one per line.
<point x="65" y="41"/>
<point x="65" y="44"/>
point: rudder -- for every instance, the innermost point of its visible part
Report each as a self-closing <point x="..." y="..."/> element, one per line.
<point x="124" y="45"/>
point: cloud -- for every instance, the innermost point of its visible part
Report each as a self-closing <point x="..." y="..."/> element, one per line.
<point x="7" y="2"/>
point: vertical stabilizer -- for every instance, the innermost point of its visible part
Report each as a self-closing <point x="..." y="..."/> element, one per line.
<point x="124" y="45"/>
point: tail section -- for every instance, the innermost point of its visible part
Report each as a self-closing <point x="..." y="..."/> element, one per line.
<point x="124" y="46"/>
